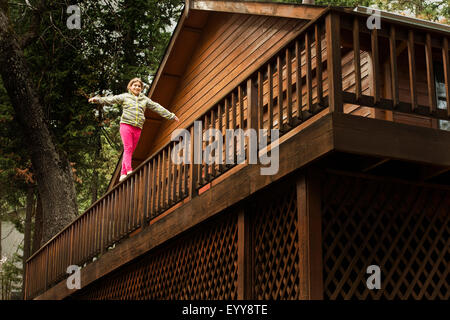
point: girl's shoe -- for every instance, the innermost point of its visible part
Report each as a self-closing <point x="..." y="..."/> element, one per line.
<point x="122" y="177"/>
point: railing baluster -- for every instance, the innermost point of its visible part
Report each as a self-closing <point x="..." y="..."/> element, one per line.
<point x="193" y="169"/>
<point x="174" y="180"/>
<point x="280" y="93"/>
<point x="154" y="186"/>
<point x="393" y="61"/>
<point x="169" y="178"/>
<point x="298" y="80"/>
<point x="376" y="66"/>
<point x="319" y="71"/>
<point x="430" y="74"/>
<point x="270" y="94"/>
<point x="260" y="100"/>
<point x="214" y="155"/>
<point x="412" y="70"/>
<point x="308" y="73"/>
<point x="357" y="58"/>
<point x="446" y="64"/>
<point x="288" y="87"/>
<point x="205" y="176"/>
<point x="220" y="128"/>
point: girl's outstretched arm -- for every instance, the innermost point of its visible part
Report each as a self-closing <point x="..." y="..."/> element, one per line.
<point x="118" y="99"/>
<point x="154" y="106"/>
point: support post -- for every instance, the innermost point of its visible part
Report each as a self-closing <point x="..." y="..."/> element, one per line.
<point x="310" y="235"/>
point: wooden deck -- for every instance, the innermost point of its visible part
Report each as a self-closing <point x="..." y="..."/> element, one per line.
<point x="318" y="114"/>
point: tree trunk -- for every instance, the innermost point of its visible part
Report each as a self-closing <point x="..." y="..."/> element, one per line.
<point x="38" y="219"/>
<point x="27" y="234"/>
<point x="53" y="172"/>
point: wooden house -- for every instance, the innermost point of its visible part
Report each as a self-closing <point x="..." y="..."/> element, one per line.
<point x="362" y="166"/>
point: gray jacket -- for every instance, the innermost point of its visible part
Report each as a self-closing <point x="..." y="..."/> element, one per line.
<point x="134" y="108"/>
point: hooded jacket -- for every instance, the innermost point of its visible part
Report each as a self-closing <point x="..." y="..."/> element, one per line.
<point x="134" y="108"/>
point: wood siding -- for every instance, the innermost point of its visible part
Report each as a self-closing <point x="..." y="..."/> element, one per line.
<point x="230" y="45"/>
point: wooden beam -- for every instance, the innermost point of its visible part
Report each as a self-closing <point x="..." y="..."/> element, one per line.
<point x="393" y="64"/>
<point x="245" y="259"/>
<point x="310" y="236"/>
<point x="412" y="70"/>
<point x="430" y="75"/>
<point x="357" y="58"/>
<point x="260" y="8"/>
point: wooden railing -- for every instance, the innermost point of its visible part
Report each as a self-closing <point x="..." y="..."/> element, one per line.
<point x="280" y="94"/>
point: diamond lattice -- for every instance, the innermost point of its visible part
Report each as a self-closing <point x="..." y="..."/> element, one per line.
<point x="402" y="228"/>
<point x="276" y="255"/>
<point x="200" y="265"/>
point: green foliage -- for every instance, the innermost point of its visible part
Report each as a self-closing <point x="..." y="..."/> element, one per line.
<point x="10" y="276"/>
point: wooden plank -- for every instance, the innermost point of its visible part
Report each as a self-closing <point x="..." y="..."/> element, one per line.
<point x="308" y="73"/>
<point x="430" y="74"/>
<point x="376" y="74"/>
<point x="175" y="178"/>
<point x="280" y="92"/>
<point x="154" y="185"/>
<point x="393" y="65"/>
<point x="310" y="236"/>
<point x="260" y="100"/>
<point x="288" y="86"/>
<point x="221" y="128"/>
<point x="319" y="72"/>
<point x="412" y="70"/>
<point x="333" y="37"/>
<point x="244" y="260"/>
<point x="193" y="168"/>
<point x="357" y="58"/>
<point x="264" y="8"/>
<point x="213" y="126"/>
<point x="270" y="91"/>
<point x="241" y="106"/>
<point x="446" y="64"/>
<point x="252" y="111"/>
<point x="206" y="178"/>
<point x="392" y="140"/>
<point x="169" y="176"/>
<point x="298" y="80"/>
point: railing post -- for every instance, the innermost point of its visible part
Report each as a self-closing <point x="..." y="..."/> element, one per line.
<point x="333" y="36"/>
<point x="252" y="114"/>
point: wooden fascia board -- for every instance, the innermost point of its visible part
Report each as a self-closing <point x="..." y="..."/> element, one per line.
<point x="306" y="12"/>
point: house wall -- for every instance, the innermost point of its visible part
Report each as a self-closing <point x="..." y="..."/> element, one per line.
<point x="230" y="45"/>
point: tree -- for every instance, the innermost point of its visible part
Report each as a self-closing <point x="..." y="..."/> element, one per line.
<point x="51" y="167"/>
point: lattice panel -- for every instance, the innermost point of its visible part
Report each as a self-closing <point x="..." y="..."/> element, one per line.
<point x="202" y="264"/>
<point x="404" y="229"/>
<point x="276" y="245"/>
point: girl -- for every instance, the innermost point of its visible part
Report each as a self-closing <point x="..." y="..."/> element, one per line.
<point x="132" y="119"/>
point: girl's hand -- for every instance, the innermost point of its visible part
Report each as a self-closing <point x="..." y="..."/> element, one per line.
<point x="93" y="100"/>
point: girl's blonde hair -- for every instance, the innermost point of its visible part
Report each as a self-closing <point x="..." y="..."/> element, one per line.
<point x="133" y="81"/>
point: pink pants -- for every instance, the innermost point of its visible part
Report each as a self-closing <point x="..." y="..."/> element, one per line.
<point x="130" y="138"/>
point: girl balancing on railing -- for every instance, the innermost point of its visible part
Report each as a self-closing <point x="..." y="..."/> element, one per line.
<point x="132" y="119"/>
